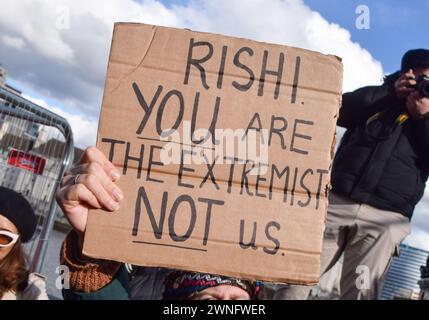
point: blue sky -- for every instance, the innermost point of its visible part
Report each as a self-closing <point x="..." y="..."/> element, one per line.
<point x="395" y="26"/>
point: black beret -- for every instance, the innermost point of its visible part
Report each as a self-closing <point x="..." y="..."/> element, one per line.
<point x="417" y="58"/>
<point x="17" y="209"/>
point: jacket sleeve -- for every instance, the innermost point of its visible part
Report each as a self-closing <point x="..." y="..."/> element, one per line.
<point x="117" y="289"/>
<point x="91" y="279"/>
<point x="421" y="127"/>
<point x="359" y="105"/>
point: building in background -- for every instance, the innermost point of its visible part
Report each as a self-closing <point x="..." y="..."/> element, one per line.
<point x="402" y="280"/>
<point x="2" y="76"/>
<point x="3" y="84"/>
<point x="424" y="282"/>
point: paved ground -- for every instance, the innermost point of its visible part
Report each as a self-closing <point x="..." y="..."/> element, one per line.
<point x="51" y="263"/>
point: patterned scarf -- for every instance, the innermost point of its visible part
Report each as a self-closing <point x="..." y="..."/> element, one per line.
<point x="180" y="285"/>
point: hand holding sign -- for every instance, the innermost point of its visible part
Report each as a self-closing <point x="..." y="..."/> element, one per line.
<point x="89" y="185"/>
<point x="224" y="147"/>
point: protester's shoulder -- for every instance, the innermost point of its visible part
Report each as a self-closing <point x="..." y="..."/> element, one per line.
<point x="36" y="288"/>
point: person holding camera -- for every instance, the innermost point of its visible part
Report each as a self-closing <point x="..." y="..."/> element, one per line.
<point x="378" y="177"/>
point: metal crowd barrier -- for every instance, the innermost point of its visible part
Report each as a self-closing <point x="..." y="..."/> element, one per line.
<point x="36" y="148"/>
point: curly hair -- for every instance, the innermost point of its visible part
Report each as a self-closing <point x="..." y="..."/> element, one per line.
<point x="14" y="271"/>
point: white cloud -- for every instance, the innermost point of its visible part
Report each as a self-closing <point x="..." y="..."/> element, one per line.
<point x="13" y="42"/>
<point x="419" y="238"/>
<point x="288" y="22"/>
<point x="420" y="224"/>
<point x="84" y="129"/>
<point x="35" y="22"/>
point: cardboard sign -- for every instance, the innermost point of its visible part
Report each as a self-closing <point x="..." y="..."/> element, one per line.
<point x="177" y="107"/>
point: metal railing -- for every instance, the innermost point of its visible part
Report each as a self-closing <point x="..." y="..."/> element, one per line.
<point x="36" y="148"/>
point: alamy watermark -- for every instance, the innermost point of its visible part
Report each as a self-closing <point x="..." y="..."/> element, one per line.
<point x="363" y="281"/>
<point x="226" y="147"/>
<point x="62" y="21"/>
<point x="63" y="280"/>
<point x="363" y="20"/>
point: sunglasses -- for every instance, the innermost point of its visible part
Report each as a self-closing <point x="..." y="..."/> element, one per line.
<point x="7" y="238"/>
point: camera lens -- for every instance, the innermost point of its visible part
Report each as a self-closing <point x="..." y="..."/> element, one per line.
<point x="423" y="86"/>
<point x="425" y="89"/>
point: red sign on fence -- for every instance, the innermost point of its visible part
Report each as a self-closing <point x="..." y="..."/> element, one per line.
<point x="26" y="161"/>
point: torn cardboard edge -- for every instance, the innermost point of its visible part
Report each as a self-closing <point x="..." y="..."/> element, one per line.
<point x="97" y="244"/>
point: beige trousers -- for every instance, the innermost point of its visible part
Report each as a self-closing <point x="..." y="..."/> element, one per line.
<point x="368" y="237"/>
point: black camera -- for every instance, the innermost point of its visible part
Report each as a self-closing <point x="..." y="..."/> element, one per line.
<point x="422" y="86"/>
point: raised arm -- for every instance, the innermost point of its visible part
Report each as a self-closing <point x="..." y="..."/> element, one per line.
<point x="89" y="185"/>
<point x="359" y="105"/>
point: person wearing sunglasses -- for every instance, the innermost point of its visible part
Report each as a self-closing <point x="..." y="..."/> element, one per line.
<point x="17" y="226"/>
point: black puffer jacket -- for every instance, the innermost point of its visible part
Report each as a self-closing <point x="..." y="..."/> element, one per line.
<point x="381" y="162"/>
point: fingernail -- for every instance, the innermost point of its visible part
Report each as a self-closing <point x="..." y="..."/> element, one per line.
<point x="117" y="194"/>
<point x="113" y="206"/>
<point x="115" y="175"/>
